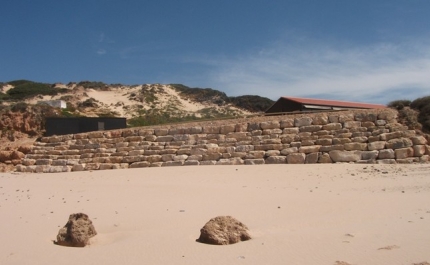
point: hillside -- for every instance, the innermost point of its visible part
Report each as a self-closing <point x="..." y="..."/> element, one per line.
<point x="147" y="104"/>
<point x="99" y="99"/>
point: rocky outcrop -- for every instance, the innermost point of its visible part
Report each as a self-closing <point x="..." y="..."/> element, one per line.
<point x="223" y="230"/>
<point x="77" y="231"/>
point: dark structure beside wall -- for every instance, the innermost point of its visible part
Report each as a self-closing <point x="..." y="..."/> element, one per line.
<point x="290" y="104"/>
<point x="62" y="126"/>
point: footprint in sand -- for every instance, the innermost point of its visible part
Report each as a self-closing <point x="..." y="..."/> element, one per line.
<point x="389" y="247"/>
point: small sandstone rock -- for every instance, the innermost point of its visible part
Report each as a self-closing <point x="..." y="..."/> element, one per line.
<point x="223" y="230"/>
<point x="77" y="231"/>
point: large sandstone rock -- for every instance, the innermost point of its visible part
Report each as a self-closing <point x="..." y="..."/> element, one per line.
<point x="345" y="156"/>
<point x="77" y="231"/>
<point x="223" y="230"/>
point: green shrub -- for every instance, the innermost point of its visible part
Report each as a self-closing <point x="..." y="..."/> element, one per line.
<point x="92" y="84"/>
<point x="25" y="89"/>
<point x="19" y="107"/>
<point x="420" y="103"/>
<point x="399" y="104"/>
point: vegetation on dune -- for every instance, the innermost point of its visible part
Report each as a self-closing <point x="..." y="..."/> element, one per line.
<point x="92" y="84"/>
<point x="249" y="102"/>
<point x="202" y="94"/>
<point x="23" y="89"/>
<point x="252" y="103"/>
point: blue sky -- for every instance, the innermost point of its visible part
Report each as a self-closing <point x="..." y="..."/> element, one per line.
<point x="371" y="51"/>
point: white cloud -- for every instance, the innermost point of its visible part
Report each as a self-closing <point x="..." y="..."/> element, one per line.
<point x="101" y="51"/>
<point x="377" y="73"/>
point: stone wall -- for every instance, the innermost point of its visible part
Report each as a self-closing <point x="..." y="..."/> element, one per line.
<point x="367" y="136"/>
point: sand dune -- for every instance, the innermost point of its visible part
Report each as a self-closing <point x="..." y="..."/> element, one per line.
<point x="297" y="214"/>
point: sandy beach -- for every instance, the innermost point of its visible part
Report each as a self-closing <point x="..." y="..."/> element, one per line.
<point x="362" y="214"/>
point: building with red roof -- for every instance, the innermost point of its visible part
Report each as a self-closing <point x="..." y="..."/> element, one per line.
<point x="292" y="104"/>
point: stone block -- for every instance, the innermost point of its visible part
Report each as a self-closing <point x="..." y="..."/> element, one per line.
<point x="167" y="157"/>
<point x="28" y="162"/>
<point x="161" y="132"/>
<point x="195" y="157"/>
<point x="270" y="125"/>
<point x="165" y="138"/>
<point x="140" y="164"/>
<point x="105" y="166"/>
<point x="231" y="161"/>
<point x="369" y="155"/>
<point x="296" y="158"/>
<point x="244" y="148"/>
<point x="130" y="159"/>
<point x="292" y="130"/>
<point x="255" y="155"/>
<point x="211" y="129"/>
<point x="365" y="117"/>
<point x="309" y="149"/>
<point x="402" y="153"/>
<point x="228" y="128"/>
<point x="172" y="163"/>
<point x="342" y="141"/>
<point x="43" y="162"/>
<point x="191" y="163"/>
<point x="288" y="138"/>
<point x="325" y="159"/>
<point x="391" y="135"/>
<point x="253" y="126"/>
<point x="355" y="146"/>
<point x="259" y="161"/>
<point x="310" y="128"/>
<point x="208" y="163"/>
<point x="59" y="162"/>
<point x="286" y="123"/>
<point x="386" y="154"/>
<point x="302" y="121"/>
<point x="180" y="157"/>
<point x="419" y="150"/>
<point x="78" y="167"/>
<point x="92" y="166"/>
<point x="312" y="158"/>
<point x="359" y="139"/>
<point x="150" y="138"/>
<point x="399" y="143"/>
<point x="145" y="132"/>
<point x="212" y="156"/>
<point x="276" y="160"/>
<point x="345" y="156"/>
<point x="320" y="119"/>
<point x="377" y="145"/>
<point x="419" y="140"/>
<point x="324" y="141"/>
<point x="289" y="150"/>
<point x="351" y="124"/>
<point x="273" y="153"/>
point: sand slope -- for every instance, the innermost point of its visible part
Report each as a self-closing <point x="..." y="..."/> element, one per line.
<point x="297" y="214"/>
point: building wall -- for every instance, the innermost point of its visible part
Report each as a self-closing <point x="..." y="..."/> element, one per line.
<point x="62" y="126"/>
<point x="284" y="105"/>
<point x="55" y="103"/>
<point x="365" y="136"/>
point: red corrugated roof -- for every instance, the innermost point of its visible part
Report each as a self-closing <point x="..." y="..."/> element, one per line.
<point x="335" y="103"/>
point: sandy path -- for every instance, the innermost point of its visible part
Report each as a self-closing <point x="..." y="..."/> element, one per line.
<point x="297" y="214"/>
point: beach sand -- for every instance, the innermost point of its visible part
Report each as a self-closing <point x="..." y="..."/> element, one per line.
<point x="297" y="214"/>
